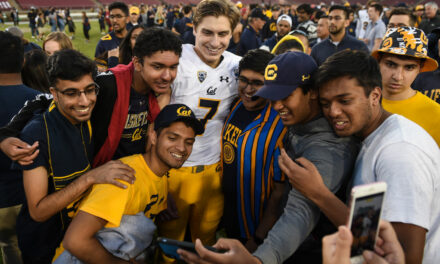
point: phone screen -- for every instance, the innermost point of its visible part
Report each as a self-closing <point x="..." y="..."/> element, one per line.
<point x="365" y="222"/>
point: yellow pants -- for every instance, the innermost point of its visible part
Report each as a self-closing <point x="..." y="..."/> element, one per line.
<point x="199" y="200"/>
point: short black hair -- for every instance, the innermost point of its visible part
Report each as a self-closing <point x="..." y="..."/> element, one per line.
<point x="152" y="40"/>
<point x="69" y="65"/>
<point x="186" y="9"/>
<point x="187" y="122"/>
<point x="305" y="8"/>
<point x="255" y="60"/>
<point x="119" y="5"/>
<point x="353" y="64"/>
<point x="378" y="8"/>
<point x="406" y="12"/>
<point x="11" y="53"/>
<point x="320" y="14"/>
<point x="339" y="7"/>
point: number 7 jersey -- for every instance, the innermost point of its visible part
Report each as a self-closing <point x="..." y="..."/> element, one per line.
<point x="209" y="92"/>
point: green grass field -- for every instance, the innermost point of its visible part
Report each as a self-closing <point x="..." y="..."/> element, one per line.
<point x="79" y="42"/>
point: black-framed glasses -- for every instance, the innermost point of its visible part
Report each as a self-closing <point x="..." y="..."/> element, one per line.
<point x="116" y="16"/>
<point x="243" y="82"/>
<point x="91" y="90"/>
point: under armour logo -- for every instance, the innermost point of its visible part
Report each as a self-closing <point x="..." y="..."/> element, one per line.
<point x="304" y="77"/>
<point x="224" y="78"/>
<point x="211" y="91"/>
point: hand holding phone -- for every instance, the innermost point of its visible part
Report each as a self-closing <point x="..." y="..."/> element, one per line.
<point x="365" y="212"/>
<point x="169" y="247"/>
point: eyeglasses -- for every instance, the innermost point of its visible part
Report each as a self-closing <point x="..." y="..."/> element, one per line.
<point x="243" y="82"/>
<point x="116" y="16"/>
<point x="71" y="93"/>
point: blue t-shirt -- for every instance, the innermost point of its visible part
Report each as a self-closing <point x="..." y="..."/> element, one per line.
<point x="428" y="83"/>
<point x="12" y="99"/>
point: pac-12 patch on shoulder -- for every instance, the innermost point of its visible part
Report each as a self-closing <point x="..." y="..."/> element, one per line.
<point x="201" y="75"/>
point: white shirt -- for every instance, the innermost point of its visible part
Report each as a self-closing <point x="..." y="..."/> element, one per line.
<point x="406" y="157"/>
<point x="209" y="92"/>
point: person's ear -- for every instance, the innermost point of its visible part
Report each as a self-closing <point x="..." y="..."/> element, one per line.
<point x="375" y="95"/>
<point x="137" y="64"/>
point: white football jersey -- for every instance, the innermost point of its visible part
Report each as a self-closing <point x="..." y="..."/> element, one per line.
<point x="209" y="93"/>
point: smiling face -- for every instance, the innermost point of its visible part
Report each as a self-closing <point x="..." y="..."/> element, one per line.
<point x="158" y="70"/>
<point x="347" y="108"/>
<point x="249" y="82"/>
<point x="174" y="144"/>
<point x="75" y="109"/>
<point x="212" y="38"/>
<point x="295" y="108"/>
<point x="398" y="73"/>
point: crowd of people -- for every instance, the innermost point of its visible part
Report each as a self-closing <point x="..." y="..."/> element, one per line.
<point x="247" y="122"/>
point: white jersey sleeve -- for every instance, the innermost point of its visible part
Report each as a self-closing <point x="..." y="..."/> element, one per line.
<point x="209" y="92"/>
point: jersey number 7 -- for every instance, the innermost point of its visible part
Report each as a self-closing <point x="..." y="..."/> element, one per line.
<point x="212" y="105"/>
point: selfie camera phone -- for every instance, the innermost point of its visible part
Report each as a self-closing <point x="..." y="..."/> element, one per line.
<point x="365" y="212"/>
<point x="169" y="247"/>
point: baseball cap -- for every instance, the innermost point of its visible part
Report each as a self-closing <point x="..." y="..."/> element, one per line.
<point x="407" y="41"/>
<point x="420" y="7"/>
<point x="135" y="10"/>
<point x="177" y="112"/>
<point x="285" y="73"/>
<point x="258" y="13"/>
<point x="286" y="18"/>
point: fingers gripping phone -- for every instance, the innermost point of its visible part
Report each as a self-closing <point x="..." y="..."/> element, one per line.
<point x="365" y="212"/>
<point x="169" y="247"/>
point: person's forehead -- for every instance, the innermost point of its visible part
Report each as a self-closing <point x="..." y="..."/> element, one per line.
<point x="212" y="23"/>
<point x="248" y="73"/>
<point x="284" y="23"/>
<point x="167" y="57"/>
<point x="323" y="21"/>
<point x="116" y="11"/>
<point x="399" y="19"/>
<point x="401" y="59"/>
<point x="341" y="86"/>
<point x="336" y="12"/>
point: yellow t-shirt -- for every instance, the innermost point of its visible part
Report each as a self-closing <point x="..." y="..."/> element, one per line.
<point x="421" y="110"/>
<point x="147" y="194"/>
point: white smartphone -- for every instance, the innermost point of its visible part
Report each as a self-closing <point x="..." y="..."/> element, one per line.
<point x="365" y="212"/>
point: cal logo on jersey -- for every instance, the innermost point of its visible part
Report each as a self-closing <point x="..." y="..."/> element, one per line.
<point x="201" y="75"/>
<point x="107" y="37"/>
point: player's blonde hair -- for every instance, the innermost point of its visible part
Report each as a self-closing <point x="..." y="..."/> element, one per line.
<point x="216" y="8"/>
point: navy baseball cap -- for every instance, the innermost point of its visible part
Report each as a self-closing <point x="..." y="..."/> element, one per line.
<point x="285" y="73"/>
<point x="258" y="13"/>
<point x="178" y="112"/>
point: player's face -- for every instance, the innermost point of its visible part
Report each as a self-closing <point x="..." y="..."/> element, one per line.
<point x="398" y="74"/>
<point x="347" y="108"/>
<point x="75" y="108"/>
<point x="295" y="108"/>
<point x="158" y="70"/>
<point x="51" y="46"/>
<point x="212" y="38"/>
<point x="337" y="21"/>
<point x="134" y="36"/>
<point x="398" y="21"/>
<point x="283" y="27"/>
<point x="118" y="19"/>
<point x="249" y="82"/>
<point x="174" y="144"/>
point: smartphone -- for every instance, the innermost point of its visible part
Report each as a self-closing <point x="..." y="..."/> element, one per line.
<point x="169" y="247"/>
<point x="365" y="212"/>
